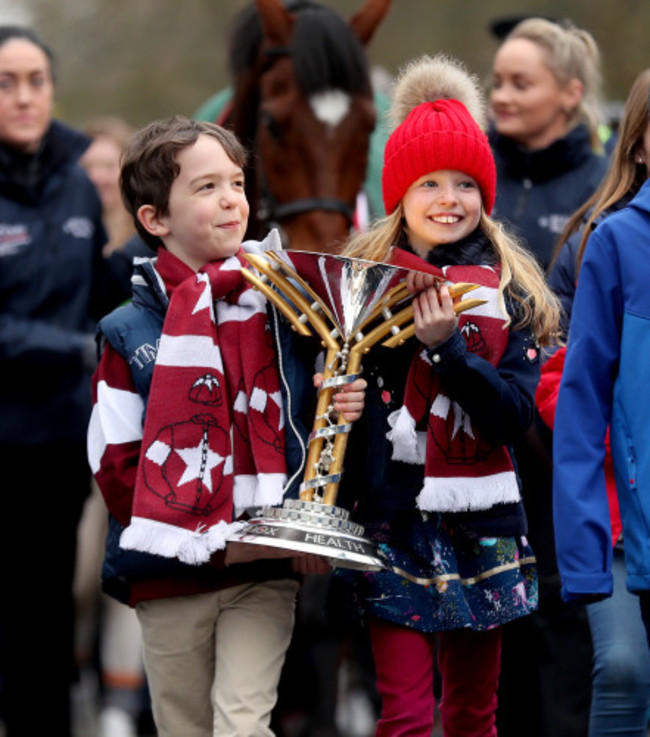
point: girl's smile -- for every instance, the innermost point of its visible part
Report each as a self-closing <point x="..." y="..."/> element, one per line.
<point x="441" y="207"/>
<point x="446" y="218"/>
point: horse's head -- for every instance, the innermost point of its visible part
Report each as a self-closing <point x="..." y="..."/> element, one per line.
<point x="304" y="107"/>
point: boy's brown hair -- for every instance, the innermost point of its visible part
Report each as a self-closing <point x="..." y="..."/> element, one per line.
<point x="149" y="164"/>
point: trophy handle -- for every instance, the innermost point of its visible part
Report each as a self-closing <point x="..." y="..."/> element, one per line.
<point x="277" y="300"/>
<point x="401" y="336"/>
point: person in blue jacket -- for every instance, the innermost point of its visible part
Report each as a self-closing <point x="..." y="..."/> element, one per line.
<point x="53" y="288"/>
<point x="621" y="666"/>
<point x="604" y="384"/>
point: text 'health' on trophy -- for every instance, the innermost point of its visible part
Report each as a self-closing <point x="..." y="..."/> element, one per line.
<point x="351" y="305"/>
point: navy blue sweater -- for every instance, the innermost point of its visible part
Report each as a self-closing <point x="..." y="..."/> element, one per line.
<point x="499" y="400"/>
<point x="537" y="191"/>
<point x="53" y="286"/>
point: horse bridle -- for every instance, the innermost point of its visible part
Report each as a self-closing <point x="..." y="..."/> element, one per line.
<point x="269" y="210"/>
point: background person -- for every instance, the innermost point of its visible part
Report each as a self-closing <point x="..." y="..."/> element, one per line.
<point x="109" y="135"/>
<point x="107" y="632"/>
<point x="545" y="105"/>
<point x="53" y="288"/>
<point x="621" y="667"/>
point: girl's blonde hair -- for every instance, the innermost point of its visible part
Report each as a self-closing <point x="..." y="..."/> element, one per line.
<point x="522" y="279"/>
<point x="625" y="175"/>
<point x="571" y="53"/>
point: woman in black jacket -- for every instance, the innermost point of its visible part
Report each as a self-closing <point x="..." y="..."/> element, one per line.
<point x="544" y="103"/>
<point x="52" y="290"/>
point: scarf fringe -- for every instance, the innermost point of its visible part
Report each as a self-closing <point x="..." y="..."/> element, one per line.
<point x="409" y="445"/>
<point x="465" y="494"/>
<point x="193" y="547"/>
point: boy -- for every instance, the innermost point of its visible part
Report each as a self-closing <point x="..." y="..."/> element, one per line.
<point x="212" y="442"/>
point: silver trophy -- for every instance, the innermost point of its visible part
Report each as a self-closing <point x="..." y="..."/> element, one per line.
<point x="350" y="305"/>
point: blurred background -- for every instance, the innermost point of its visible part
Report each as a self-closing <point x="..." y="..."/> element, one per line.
<point x="144" y="59"/>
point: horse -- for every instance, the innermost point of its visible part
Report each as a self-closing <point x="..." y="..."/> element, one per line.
<point x="303" y="105"/>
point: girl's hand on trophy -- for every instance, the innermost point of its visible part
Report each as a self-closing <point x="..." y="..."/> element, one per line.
<point x="434" y="316"/>
<point x="308" y="564"/>
<point x="349" y="400"/>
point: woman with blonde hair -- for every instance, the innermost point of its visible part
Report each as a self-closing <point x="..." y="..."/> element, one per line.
<point x="544" y="105"/>
<point x="545" y="109"/>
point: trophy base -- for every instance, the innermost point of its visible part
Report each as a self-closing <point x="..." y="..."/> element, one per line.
<point x="310" y="527"/>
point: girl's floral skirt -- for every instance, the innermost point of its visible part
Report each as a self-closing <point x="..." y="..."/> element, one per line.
<point x="438" y="581"/>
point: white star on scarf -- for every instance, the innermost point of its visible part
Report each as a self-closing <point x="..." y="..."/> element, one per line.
<point x="205" y="300"/>
<point x="442" y="406"/>
<point x="461" y="419"/>
<point x="277" y="398"/>
<point x="259" y="400"/>
<point x="199" y="463"/>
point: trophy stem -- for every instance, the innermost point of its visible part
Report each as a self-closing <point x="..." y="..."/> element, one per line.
<point x="329" y="437"/>
<point x="340" y="441"/>
<point x="316" y="441"/>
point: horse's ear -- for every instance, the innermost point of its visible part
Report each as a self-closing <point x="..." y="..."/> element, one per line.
<point x="366" y="20"/>
<point x="277" y="21"/>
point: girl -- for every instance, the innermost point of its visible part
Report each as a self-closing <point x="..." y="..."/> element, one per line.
<point x="604" y="385"/>
<point x="445" y="508"/>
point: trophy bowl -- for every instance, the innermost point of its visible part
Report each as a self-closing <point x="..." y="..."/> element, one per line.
<point x="350" y="305"/>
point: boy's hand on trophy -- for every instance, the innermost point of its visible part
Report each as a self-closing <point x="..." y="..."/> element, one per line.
<point x="308" y="564"/>
<point x="239" y="552"/>
<point x="348" y="400"/>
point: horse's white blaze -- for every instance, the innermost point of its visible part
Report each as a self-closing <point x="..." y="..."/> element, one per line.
<point x="330" y="107"/>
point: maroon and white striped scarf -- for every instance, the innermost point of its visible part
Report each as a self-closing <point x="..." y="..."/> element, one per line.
<point x="463" y="471"/>
<point x="213" y="436"/>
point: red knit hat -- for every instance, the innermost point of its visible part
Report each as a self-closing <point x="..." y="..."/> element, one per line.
<point x="437" y="135"/>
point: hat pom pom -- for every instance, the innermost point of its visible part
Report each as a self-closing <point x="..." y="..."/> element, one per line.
<point x="440" y="77"/>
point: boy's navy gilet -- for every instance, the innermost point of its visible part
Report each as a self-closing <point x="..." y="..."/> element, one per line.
<point x="134" y="330"/>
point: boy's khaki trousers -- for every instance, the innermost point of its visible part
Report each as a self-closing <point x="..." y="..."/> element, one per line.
<point x="213" y="661"/>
